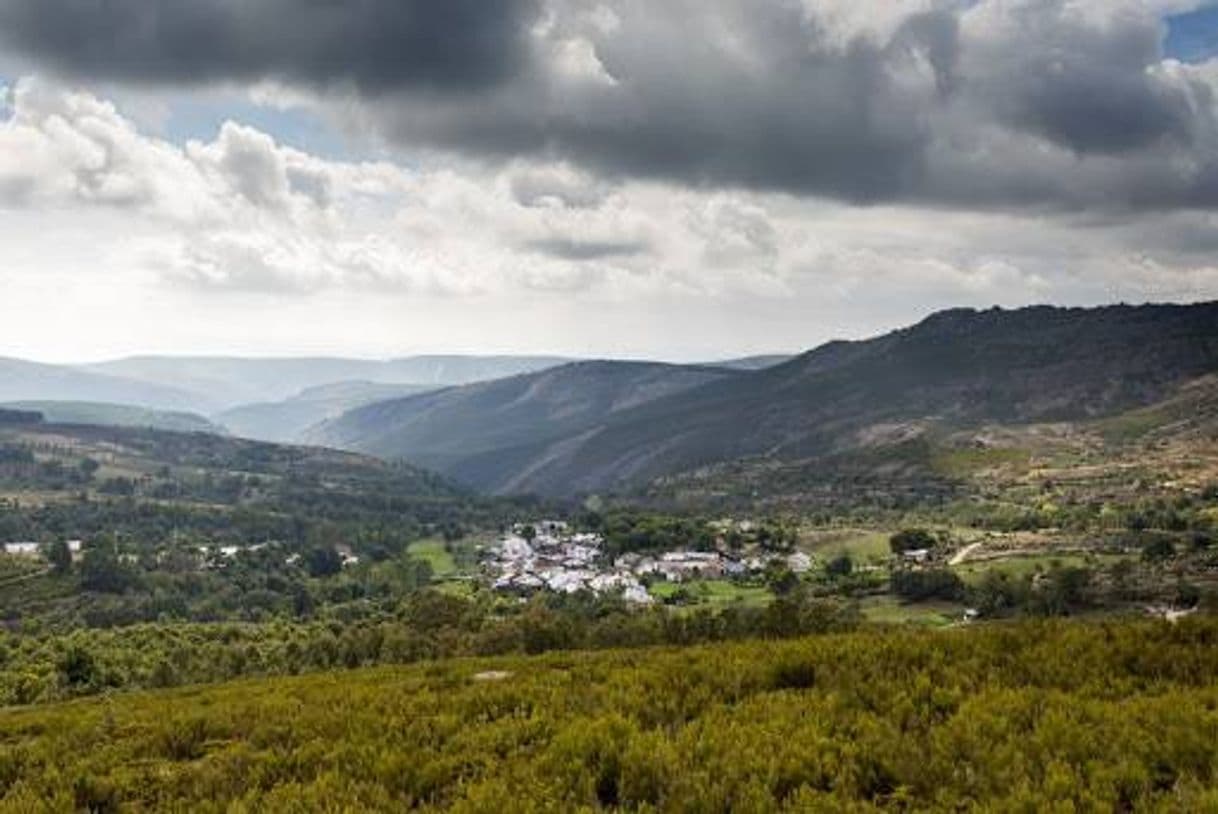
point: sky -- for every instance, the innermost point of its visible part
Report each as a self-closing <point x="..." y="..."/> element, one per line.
<point x="687" y="180"/>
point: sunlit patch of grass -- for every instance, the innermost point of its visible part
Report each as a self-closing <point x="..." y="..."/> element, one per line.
<point x="960" y="462"/>
<point x="713" y="592"/>
<point x="860" y="544"/>
<point x="891" y="611"/>
<point x="436" y="555"/>
<point x="1025" y="565"/>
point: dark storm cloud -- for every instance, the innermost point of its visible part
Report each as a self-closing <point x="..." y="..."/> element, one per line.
<point x="718" y="93"/>
<point x="1036" y="103"/>
<point x="1083" y="86"/>
<point x="967" y="103"/>
<point x="375" y="44"/>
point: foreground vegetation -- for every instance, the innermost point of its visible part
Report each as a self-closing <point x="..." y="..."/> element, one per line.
<point x="1033" y="716"/>
<point x="431" y="624"/>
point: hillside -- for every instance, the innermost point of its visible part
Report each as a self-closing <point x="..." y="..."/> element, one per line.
<point x="163" y="500"/>
<point x="286" y="421"/>
<point x="1025" y="717"/>
<point x="31" y="381"/>
<point x="117" y="415"/>
<point x="955" y="369"/>
<point x="230" y="381"/>
<point x="491" y="435"/>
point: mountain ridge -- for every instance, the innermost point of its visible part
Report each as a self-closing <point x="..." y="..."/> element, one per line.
<point x="955" y="367"/>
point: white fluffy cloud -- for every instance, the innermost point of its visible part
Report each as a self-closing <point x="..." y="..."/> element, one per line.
<point x="288" y="251"/>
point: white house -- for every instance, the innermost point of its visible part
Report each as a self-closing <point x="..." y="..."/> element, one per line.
<point x="799" y="562"/>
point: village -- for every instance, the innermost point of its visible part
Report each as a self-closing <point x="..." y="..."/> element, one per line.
<point x="549" y="556"/>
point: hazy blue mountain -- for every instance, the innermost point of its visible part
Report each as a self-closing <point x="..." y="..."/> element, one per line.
<point x="957" y="367"/>
<point x="285" y="421"/>
<point x="491" y="434"/>
<point x="32" y="381"/>
<point x="231" y="381"/>
<point x="116" y="415"/>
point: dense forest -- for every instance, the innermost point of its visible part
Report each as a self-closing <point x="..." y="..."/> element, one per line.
<point x="1021" y="717"/>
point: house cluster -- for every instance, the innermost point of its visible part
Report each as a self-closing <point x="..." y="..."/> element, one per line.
<point x="553" y="558"/>
<point x="681" y="566"/>
<point x="547" y="556"/>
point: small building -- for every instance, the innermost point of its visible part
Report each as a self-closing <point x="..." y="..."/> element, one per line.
<point x="23" y="549"/>
<point x="799" y="562"/>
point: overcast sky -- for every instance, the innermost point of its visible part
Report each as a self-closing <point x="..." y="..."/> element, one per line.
<point x="685" y="179"/>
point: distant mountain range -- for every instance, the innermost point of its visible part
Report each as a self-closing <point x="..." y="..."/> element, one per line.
<point x="551" y="426"/>
<point x="265" y="399"/>
<point x="602" y="426"/>
<point x="219" y="383"/>
<point x="116" y="415"/>
<point x="31" y="381"/>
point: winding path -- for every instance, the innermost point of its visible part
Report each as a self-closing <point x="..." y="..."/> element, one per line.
<point x="963" y="554"/>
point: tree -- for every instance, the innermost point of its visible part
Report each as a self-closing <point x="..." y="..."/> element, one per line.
<point x="936" y="583"/>
<point x="780" y="578"/>
<point x="1159" y="549"/>
<point x="840" y="566"/>
<point x="77" y="666"/>
<point x="59" y="555"/>
<point x="323" y="561"/>
<point x="102" y="571"/>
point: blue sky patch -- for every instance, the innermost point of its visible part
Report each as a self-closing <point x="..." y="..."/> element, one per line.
<point x="1193" y="37"/>
<point x="201" y="119"/>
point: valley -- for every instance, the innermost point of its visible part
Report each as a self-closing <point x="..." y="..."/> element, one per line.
<point x="839" y="509"/>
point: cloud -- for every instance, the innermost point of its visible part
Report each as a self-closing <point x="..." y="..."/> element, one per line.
<point x="373" y="45"/>
<point x="242" y="216"/>
<point x="1001" y="104"/>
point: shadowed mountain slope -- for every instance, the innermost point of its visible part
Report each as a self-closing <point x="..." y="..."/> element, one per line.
<point x="955" y="368"/>
<point x="487" y="433"/>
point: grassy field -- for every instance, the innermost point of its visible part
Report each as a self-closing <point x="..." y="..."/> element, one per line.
<point x="714" y="592"/>
<point x="959" y="463"/>
<point x="1030" y="717"/>
<point x="437" y="556"/>
<point x="1028" y="564"/>
<point x="861" y="544"/>
<point x="891" y="611"/>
